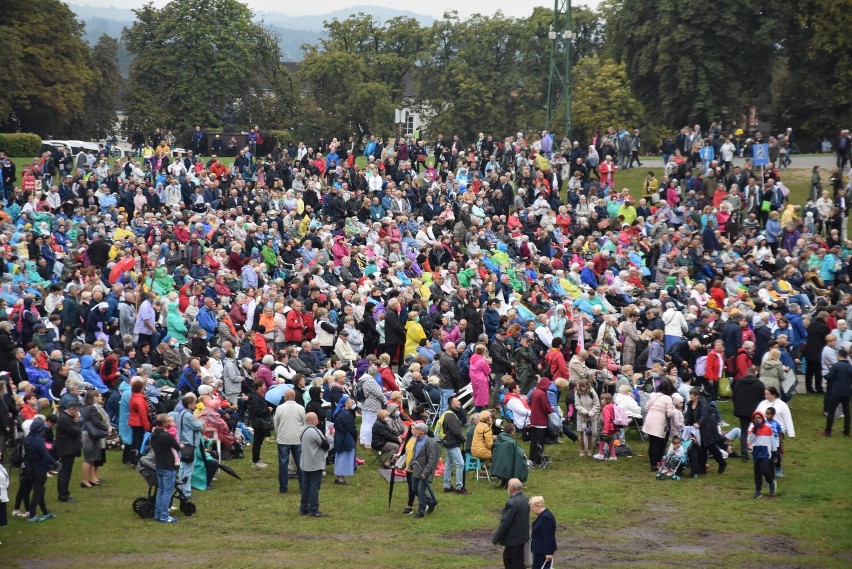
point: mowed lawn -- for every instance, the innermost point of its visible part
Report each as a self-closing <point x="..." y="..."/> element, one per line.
<point x="608" y="515"/>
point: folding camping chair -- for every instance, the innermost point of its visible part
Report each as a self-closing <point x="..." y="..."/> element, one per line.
<point x="635" y="425"/>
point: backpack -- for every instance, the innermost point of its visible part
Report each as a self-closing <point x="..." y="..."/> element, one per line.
<point x="619" y="416"/>
<point x="358" y="392"/>
<point x="700" y="366"/>
<point x="439" y="426"/>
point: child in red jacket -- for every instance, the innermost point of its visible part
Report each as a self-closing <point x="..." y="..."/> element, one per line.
<point x="608" y="429"/>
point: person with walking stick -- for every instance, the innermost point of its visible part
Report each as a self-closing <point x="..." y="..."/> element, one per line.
<point x="543" y="544"/>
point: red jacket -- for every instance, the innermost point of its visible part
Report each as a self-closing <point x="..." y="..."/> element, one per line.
<point x="388" y="379"/>
<point x="540" y="407"/>
<point x="608" y="417"/>
<point x="741" y="364"/>
<point x="557" y="364"/>
<point x="260" y="347"/>
<point x="715" y="365"/>
<point x="139" y="412"/>
<point x="295" y="326"/>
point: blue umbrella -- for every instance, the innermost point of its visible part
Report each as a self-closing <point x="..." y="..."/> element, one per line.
<point x="275" y="394"/>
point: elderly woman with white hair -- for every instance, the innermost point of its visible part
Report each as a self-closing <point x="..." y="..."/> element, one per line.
<point x="374" y="399"/>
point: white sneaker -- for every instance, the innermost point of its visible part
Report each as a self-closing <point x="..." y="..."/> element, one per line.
<point x="598" y="457"/>
<point x="259" y="464"/>
<point x="611" y="459"/>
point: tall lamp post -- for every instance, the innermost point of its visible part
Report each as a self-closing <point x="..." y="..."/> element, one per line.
<point x="559" y="80"/>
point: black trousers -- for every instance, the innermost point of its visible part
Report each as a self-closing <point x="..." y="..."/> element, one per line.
<point x="513" y="557"/>
<point x="22" y="498"/>
<point x="763" y="469"/>
<point x="37" y="498"/>
<point x="138" y="436"/>
<point x="744" y="424"/>
<point x="813" y="375"/>
<point x="656" y="450"/>
<point x="63" y="479"/>
<point x="833" y="402"/>
<point x="537" y="439"/>
<point x="540" y="563"/>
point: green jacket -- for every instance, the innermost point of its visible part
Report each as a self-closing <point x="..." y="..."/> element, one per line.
<point x="523" y="358"/>
<point x="508" y="460"/>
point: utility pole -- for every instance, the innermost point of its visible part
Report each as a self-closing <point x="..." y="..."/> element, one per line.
<point x="559" y="80"/>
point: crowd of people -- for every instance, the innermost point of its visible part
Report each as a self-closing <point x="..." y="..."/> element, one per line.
<point x="454" y="296"/>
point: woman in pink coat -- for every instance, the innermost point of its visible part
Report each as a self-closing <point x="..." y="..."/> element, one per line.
<point x="339" y="250"/>
<point x="480" y="378"/>
<point x="659" y="407"/>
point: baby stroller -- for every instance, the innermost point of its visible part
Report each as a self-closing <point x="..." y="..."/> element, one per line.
<point x="144" y="505"/>
<point x="672" y="466"/>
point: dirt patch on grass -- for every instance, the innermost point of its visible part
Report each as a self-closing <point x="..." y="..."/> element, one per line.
<point x="658" y="534"/>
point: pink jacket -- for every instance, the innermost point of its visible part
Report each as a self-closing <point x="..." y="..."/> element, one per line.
<point x="480" y="373"/>
<point x="660" y="408"/>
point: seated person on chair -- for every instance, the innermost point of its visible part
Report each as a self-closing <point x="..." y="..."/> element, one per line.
<point x="509" y="460"/>
<point x="384" y="438"/>
<point x="483" y="439"/>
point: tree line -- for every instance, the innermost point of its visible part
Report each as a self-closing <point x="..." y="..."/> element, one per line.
<point x="655" y="65"/>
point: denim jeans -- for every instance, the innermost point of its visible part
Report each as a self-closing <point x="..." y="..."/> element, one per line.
<point x="445" y="396"/>
<point x="310" y="492"/>
<point x="165" y="488"/>
<point x="454" y="459"/>
<point x="184" y="477"/>
<point x="284" y="464"/>
<point x="425" y="496"/>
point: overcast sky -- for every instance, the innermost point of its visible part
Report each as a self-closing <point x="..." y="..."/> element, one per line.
<point x="434" y="8"/>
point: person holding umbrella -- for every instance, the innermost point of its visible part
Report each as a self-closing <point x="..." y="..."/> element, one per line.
<point x="543" y="544"/>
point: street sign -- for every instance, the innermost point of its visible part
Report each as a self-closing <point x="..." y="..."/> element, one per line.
<point x="761" y="154"/>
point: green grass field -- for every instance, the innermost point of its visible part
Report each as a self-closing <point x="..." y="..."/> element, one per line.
<point x="608" y="515"/>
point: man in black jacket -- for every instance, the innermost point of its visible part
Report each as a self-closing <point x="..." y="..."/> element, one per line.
<point x="838" y="391"/>
<point x="453" y="440"/>
<point x="68" y="444"/>
<point x="394" y="332"/>
<point x="747" y="393"/>
<point x="514" y="529"/>
<point x="500" y="362"/>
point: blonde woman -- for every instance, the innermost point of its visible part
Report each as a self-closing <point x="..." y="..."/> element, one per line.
<point x="483" y="438"/>
<point x="588" y="408"/>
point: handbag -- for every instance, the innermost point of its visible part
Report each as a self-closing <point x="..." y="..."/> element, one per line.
<point x="554" y="423"/>
<point x="765" y="205"/>
<point x="187" y="452"/>
<point x="603" y="224"/>
<point x="265" y="423"/>
<point x="725" y="386"/>
<point x="94" y="432"/>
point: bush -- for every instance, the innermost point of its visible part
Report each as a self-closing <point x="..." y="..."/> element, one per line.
<point x="271" y="138"/>
<point x="20" y="144"/>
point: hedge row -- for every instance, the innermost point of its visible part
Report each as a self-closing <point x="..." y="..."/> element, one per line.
<point x="20" y="144"/>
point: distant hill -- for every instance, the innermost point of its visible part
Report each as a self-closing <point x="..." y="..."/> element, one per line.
<point x="292" y="32"/>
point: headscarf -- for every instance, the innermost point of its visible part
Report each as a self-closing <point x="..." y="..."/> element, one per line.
<point x="340" y="406"/>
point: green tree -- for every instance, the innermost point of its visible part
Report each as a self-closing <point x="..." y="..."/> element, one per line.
<point x="43" y="56"/>
<point x="358" y="72"/>
<point x="589" y="27"/>
<point x="602" y="98"/>
<point x="485" y="73"/>
<point x="814" y="94"/>
<point x="98" y="117"/>
<point x="690" y="63"/>
<point x="194" y="60"/>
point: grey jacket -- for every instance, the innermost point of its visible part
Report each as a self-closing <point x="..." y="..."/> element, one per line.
<point x="375" y="398"/>
<point x="426" y="461"/>
<point x="232" y="379"/>
<point x="188" y="427"/>
<point x="314" y="449"/>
